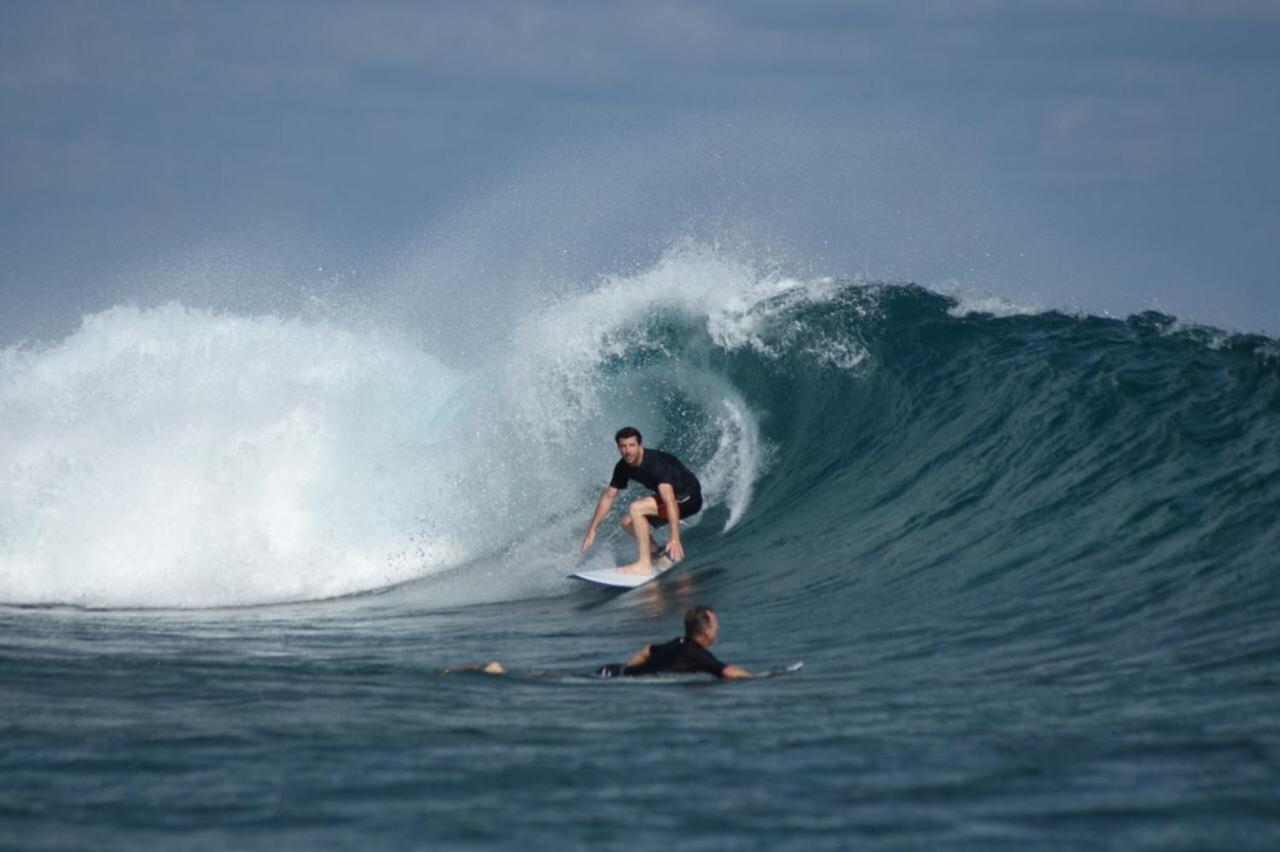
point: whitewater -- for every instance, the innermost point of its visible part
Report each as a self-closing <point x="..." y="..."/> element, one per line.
<point x="1027" y="555"/>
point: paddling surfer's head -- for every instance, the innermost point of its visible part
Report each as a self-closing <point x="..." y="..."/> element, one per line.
<point x="630" y="444"/>
<point x="700" y="623"/>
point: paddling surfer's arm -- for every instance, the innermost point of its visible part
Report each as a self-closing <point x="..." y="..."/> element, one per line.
<point x="639" y="657"/>
<point x="735" y="673"/>
<point x="602" y="509"/>
<point x="667" y="494"/>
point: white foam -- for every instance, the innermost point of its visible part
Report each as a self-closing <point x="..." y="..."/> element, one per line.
<point x="173" y="457"/>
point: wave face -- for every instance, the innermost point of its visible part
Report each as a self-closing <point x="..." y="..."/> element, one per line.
<point x="1056" y="478"/>
<point x="878" y="441"/>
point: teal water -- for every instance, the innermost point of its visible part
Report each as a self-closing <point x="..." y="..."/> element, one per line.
<point x="1028" y="560"/>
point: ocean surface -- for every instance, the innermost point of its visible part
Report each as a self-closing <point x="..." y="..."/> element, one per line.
<point x="1029" y="559"/>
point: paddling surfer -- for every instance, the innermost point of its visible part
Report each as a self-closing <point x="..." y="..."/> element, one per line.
<point x="677" y="495"/>
<point x="683" y="655"/>
<point x="687" y="653"/>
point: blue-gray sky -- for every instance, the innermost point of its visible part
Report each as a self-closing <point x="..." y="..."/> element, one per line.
<point x="1109" y="156"/>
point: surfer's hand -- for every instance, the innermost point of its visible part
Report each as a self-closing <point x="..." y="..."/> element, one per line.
<point x="586" y="541"/>
<point x="675" y="550"/>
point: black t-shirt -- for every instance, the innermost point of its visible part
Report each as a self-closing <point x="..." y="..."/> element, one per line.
<point x="654" y="469"/>
<point x="677" y="656"/>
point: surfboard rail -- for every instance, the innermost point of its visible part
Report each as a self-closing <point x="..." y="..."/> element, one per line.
<point x="617" y="579"/>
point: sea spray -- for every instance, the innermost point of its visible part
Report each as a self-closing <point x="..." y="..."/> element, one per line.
<point x="178" y="457"/>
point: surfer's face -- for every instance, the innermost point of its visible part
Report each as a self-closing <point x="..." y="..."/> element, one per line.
<point x="630" y="449"/>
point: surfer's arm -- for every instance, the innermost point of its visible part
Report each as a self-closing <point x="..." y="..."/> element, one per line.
<point x="735" y="673"/>
<point x="667" y="494"/>
<point x="639" y="657"/>
<point x="602" y="508"/>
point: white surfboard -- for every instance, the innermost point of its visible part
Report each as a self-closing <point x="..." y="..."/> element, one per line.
<point x="617" y="579"/>
<point x="791" y="669"/>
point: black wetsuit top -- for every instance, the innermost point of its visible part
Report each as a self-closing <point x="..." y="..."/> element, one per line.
<point x="679" y="656"/>
<point x="656" y="468"/>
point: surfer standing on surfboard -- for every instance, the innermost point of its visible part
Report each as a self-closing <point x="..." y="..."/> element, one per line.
<point x="677" y="495"/>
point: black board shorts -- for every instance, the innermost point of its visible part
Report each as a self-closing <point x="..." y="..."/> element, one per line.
<point x="688" y="505"/>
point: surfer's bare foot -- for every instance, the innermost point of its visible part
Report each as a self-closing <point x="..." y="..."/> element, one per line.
<point x="636" y="568"/>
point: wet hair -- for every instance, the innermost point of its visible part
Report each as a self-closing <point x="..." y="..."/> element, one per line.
<point x="627" y="432"/>
<point x="697" y="621"/>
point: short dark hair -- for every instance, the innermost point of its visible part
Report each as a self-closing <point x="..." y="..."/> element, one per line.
<point x="697" y="621"/>
<point x="627" y="432"/>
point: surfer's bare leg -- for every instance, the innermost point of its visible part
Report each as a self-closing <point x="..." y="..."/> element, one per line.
<point x="638" y="513"/>
<point x="630" y="527"/>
